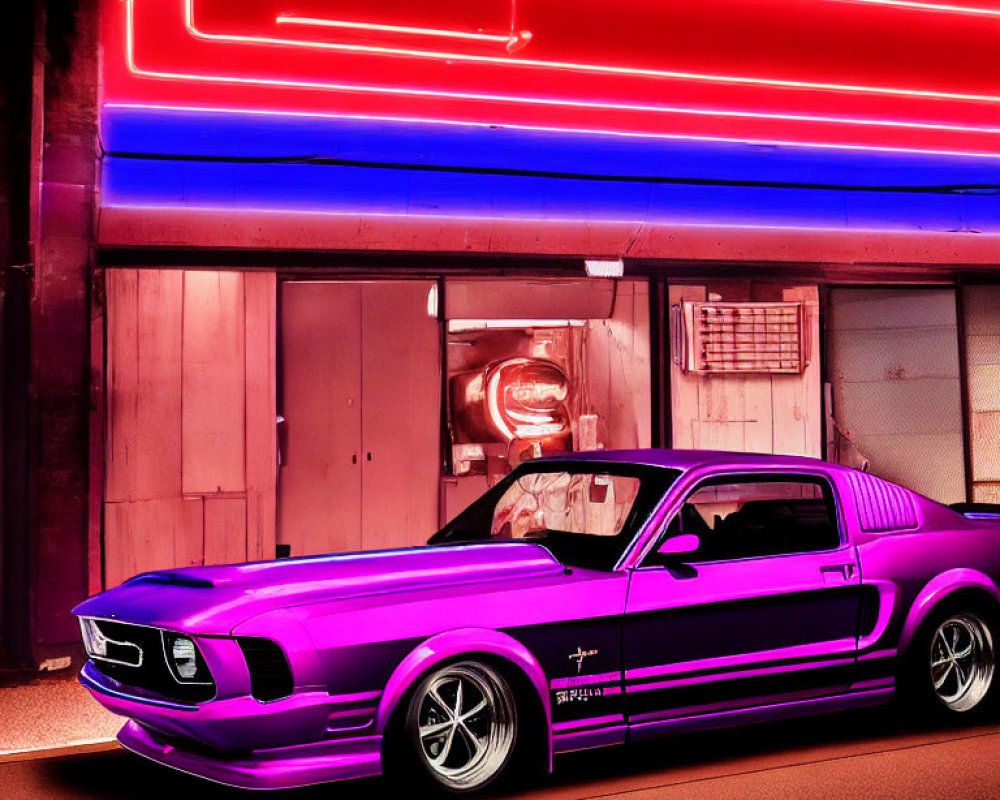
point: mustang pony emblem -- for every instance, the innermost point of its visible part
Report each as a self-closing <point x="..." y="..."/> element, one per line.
<point x="578" y="657"/>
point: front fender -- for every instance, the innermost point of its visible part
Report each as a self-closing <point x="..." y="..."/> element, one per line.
<point x="938" y="589"/>
<point x="452" y="644"/>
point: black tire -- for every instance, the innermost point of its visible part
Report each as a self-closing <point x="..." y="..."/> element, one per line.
<point x="458" y="730"/>
<point x="951" y="666"/>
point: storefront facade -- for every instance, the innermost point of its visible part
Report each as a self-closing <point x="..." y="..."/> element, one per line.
<point x="347" y="272"/>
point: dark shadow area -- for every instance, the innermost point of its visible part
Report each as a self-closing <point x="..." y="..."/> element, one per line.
<point x="119" y="775"/>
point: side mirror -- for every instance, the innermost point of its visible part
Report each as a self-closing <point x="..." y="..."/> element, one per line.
<point x="684" y="544"/>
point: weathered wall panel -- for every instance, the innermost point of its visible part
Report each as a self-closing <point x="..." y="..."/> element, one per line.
<point x="214" y="408"/>
<point x="261" y="429"/>
<point x="616" y="369"/>
<point x="758" y="413"/>
<point x="896" y="392"/>
<point x="191" y="464"/>
<point x="981" y="305"/>
<point x="225" y="530"/>
<point x="401" y="406"/>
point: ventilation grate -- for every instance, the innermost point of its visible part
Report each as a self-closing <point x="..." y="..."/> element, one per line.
<point x="882" y="506"/>
<point x="744" y="337"/>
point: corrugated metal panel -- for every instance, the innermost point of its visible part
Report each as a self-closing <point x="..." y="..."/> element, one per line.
<point x="882" y="506"/>
<point x="894" y="366"/>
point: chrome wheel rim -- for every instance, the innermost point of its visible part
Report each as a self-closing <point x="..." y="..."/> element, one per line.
<point x="465" y="724"/>
<point x="962" y="661"/>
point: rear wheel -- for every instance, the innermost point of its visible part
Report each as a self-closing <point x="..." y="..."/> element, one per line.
<point x="953" y="663"/>
<point x="461" y="726"/>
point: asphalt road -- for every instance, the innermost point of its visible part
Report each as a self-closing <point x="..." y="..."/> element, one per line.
<point x="866" y="754"/>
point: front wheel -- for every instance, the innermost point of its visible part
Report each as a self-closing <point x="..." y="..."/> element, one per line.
<point x="954" y="662"/>
<point x="461" y="726"/>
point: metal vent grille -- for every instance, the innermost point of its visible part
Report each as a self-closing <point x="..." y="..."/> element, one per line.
<point x="744" y="337"/>
<point x="882" y="506"/>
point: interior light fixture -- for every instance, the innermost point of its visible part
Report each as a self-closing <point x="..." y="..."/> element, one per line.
<point x="604" y="269"/>
<point x="463" y="325"/>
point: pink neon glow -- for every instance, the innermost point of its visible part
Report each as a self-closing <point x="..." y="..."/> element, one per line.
<point x="289" y="19"/>
<point x="557" y="65"/>
<point x="551" y="129"/>
<point x="583" y="104"/>
<point x="937" y="7"/>
<point x="227" y="212"/>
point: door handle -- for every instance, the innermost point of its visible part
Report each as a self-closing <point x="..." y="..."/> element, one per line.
<point x="846" y="570"/>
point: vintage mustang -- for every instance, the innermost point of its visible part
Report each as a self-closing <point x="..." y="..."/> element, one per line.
<point x="583" y="601"/>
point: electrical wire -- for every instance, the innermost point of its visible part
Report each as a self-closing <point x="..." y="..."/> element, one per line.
<point x="986" y="189"/>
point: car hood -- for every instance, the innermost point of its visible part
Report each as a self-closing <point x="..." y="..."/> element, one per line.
<point x="214" y="600"/>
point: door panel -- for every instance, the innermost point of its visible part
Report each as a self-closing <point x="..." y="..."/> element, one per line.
<point x="319" y="489"/>
<point x="726" y="634"/>
<point x="401" y="409"/>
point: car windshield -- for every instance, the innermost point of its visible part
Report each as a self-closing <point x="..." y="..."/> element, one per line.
<point x="585" y="513"/>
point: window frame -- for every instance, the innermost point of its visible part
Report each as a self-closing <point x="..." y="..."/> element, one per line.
<point x="827" y="486"/>
<point x="658" y="480"/>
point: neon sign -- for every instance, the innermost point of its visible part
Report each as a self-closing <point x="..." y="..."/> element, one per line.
<point x="832" y="72"/>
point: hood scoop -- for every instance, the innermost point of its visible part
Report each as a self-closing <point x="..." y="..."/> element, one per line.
<point x="177" y="598"/>
<point x="170" y="578"/>
<point x="368" y="572"/>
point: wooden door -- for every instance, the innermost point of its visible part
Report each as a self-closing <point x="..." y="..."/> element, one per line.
<point x="319" y="485"/>
<point x="401" y="411"/>
<point x="361" y="401"/>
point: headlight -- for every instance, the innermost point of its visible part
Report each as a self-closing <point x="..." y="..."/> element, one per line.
<point x="185" y="657"/>
<point x="94" y="641"/>
<point x="184" y="660"/>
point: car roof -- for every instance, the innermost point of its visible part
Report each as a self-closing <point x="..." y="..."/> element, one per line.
<point x="690" y="459"/>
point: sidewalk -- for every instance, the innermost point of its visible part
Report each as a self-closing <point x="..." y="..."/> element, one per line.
<point x="52" y="713"/>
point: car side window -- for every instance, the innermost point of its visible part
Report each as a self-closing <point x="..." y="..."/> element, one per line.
<point x="757" y="516"/>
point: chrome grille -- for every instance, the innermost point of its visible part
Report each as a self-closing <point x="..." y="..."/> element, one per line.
<point x="136" y="658"/>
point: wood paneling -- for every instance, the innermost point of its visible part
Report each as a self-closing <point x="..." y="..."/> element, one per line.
<point x="361" y="398"/>
<point x="158" y="432"/>
<point x="507" y="298"/>
<point x="144" y="312"/>
<point x="141" y="536"/>
<point x="319" y="509"/>
<point x="261" y="429"/>
<point x="191" y="411"/>
<point x="189" y="549"/>
<point x="401" y="392"/>
<point x="748" y="413"/>
<point x="214" y="399"/>
<point x="685" y="404"/>
<point x="225" y="530"/>
<point x="981" y="305"/>
<point x="616" y="369"/>
<point x="122" y="287"/>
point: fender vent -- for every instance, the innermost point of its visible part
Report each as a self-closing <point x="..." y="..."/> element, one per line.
<point x="270" y="675"/>
<point x="882" y="506"/>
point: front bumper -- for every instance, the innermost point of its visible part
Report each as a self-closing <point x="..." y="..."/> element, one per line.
<point x="243" y="742"/>
<point x="277" y="768"/>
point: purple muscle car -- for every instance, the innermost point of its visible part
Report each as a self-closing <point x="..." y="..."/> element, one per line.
<point x="583" y="601"/>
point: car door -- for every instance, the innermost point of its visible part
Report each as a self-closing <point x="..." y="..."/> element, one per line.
<point x="764" y="611"/>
